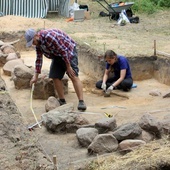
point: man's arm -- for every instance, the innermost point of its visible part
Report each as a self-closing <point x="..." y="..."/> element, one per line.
<point x="38" y="66"/>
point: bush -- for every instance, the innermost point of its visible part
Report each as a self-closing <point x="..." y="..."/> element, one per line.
<point x="164" y="3"/>
<point x="145" y="6"/>
<point x="149" y="6"/>
<point x="155" y="1"/>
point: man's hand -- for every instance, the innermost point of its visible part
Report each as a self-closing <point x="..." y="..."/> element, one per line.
<point x="103" y="86"/>
<point x="34" y="79"/>
<point x="70" y="72"/>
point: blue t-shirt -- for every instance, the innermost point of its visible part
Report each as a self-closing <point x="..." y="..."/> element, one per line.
<point x="121" y="64"/>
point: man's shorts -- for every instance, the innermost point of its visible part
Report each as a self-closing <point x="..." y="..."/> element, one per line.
<point x="58" y="67"/>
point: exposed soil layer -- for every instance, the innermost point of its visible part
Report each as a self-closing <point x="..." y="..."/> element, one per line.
<point x="22" y="149"/>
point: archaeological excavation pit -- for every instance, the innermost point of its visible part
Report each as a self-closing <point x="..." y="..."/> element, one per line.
<point x="149" y="73"/>
<point x="143" y="67"/>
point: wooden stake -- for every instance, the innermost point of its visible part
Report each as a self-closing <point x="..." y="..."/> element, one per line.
<point x="55" y="162"/>
<point x="154" y="47"/>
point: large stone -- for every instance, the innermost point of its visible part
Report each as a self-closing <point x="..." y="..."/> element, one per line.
<point x="150" y="124"/>
<point x="8" y="68"/>
<point x="86" y="135"/>
<point x="106" y="124"/>
<point x="51" y="103"/>
<point x="103" y="143"/>
<point x="146" y="136"/>
<point x="2" y="58"/>
<point x="127" y="131"/>
<point x="56" y="120"/>
<point x="7" y="48"/>
<point x="11" y="56"/>
<point x="129" y="144"/>
<point x="44" y="88"/>
<point x="166" y="124"/>
<point x="21" y="76"/>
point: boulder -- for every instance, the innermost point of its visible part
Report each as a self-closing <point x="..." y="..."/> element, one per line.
<point x="8" y="68"/>
<point x="21" y="76"/>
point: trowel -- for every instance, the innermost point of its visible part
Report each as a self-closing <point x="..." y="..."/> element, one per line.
<point x="106" y="93"/>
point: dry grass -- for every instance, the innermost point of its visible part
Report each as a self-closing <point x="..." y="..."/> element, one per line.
<point x="153" y="156"/>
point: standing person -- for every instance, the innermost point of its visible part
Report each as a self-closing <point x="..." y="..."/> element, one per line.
<point x="122" y="78"/>
<point x="61" y="49"/>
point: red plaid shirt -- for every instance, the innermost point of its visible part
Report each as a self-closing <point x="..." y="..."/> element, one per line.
<point x="53" y="43"/>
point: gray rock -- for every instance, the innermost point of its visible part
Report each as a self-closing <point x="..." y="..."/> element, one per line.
<point x="11" y="56"/>
<point x="8" y="68"/>
<point x="127" y="131"/>
<point x="51" y="103"/>
<point x="21" y="76"/>
<point x="86" y="135"/>
<point x="155" y="93"/>
<point x="150" y="124"/>
<point x="146" y="136"/>
<point x="103" y="143"/>
<point x="166" y="124"/>
<point x="129" y="144"/>
<point x="56" y="120"/>
<point x="106" y="124"/>
<point x="7" y="48"/>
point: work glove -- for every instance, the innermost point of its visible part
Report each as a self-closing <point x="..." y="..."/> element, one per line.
<point x="109" y="89"/>
<point x="103" y="86"/>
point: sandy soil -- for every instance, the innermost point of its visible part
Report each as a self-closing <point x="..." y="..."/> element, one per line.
<point x="65" y="146"/>
<point x="134" y="39"/>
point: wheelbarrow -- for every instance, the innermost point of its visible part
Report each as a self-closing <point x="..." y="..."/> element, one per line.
<point x="115" y="9"/>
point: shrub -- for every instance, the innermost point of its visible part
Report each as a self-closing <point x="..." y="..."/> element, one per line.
<point x="155" y="1"/>
<point x="164" y="3"/>
<point x="145" y="6"/>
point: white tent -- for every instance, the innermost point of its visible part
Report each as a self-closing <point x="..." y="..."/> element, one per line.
<point x="33" y="8"/>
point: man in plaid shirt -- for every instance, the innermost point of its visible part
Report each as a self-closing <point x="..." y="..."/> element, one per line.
<point x="61" y="49"/>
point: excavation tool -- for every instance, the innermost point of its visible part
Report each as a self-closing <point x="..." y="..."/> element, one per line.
<point x="31" y="127"/>
<point x="108" y="115"/>
<point x="113" y="107"/>
<point x="106" y="94"/>
<point x="90" y="113"/>
<point x="32" y="90"/>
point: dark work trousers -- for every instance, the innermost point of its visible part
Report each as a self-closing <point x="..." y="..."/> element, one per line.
<point x="125" y="85"/>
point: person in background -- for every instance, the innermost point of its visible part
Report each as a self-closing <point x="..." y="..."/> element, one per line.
<point x="122" y="78"/>
<point x="61" y="49"/>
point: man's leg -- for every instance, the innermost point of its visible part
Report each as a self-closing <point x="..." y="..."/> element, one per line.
<point x="76" y="81"/>
<point x="57" y="71"/>
<point x="78" y="87"/>
<point x="79" y="91"/>
<point x="58" y="85"/>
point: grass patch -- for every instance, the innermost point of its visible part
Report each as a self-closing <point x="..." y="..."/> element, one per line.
<point x="153" y="156"/>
